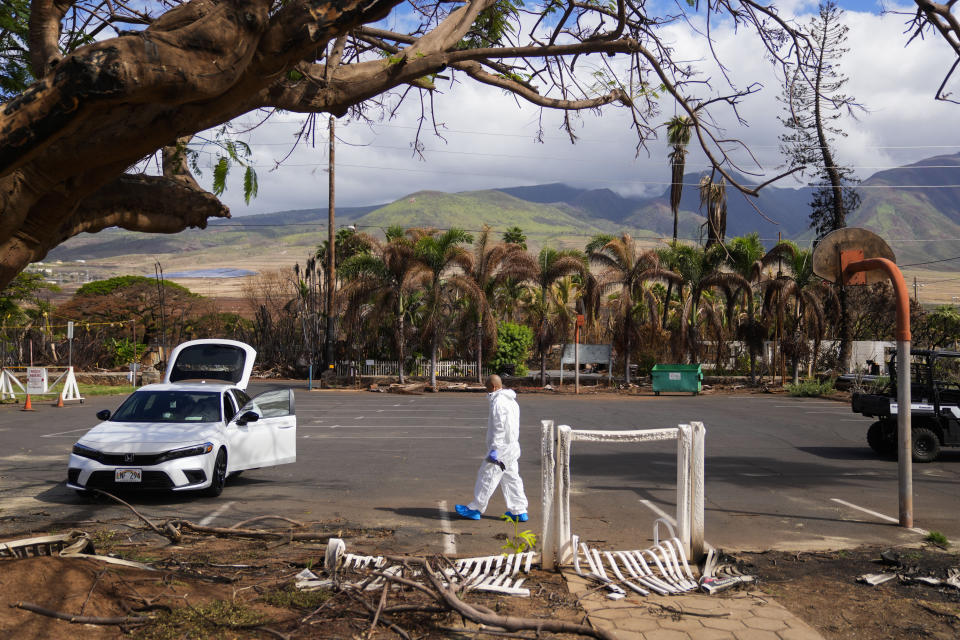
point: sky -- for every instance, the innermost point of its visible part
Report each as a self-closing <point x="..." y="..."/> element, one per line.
<point x="489" y="139"/>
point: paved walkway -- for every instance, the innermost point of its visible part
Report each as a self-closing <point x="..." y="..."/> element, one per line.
<point x="735" y="615"/>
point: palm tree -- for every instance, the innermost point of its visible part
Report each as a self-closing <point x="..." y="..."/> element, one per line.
<point x="552" y="264"/>
<point x="701" y="273"/>
<point x="744" y="257"/>
<point x="626" y="269"/>
<point x="388" y="278"/>
<point x="678" y="137"/>
<point x="713" y="197"/>
<point x="448" y="264"/>
<point x="494" y="264"/>
<point x="796" y="296"/>
<point x="679" y="129"/>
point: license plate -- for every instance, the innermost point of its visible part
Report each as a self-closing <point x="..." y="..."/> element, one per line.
<point x="128" y="475"/>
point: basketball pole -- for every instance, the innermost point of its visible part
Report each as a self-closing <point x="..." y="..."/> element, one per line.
<point x="904" y="453"/>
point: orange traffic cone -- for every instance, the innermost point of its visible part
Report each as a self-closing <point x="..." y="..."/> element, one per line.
<point x="26" y="405"/>
<point x="60" y="400"/>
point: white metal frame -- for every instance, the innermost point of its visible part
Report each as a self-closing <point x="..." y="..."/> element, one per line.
<point x="557" y="539"/>
<point x="9" y="385"/>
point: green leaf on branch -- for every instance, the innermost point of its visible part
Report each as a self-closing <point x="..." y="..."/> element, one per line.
<point x="220" y="172"/>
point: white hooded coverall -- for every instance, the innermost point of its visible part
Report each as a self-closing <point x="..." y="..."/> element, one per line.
<point x="503" y="433"/>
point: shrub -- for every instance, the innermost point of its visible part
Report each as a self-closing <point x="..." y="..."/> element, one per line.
<point x="810" y="388"/>
<point x="514" y="343"/>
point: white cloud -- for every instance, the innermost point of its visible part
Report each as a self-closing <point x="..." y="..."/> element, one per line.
<point x="490" y="141"/>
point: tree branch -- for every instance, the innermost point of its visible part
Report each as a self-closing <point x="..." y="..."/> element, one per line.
<point x="44" y="34"/>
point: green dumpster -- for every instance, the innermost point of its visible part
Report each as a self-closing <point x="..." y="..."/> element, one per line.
<point x="677" y="377"/>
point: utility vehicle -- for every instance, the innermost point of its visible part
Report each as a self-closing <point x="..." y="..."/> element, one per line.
<point x="934" y="406"/>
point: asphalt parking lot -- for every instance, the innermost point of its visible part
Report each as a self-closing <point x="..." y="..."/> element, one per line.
<point x="781" y="472"/>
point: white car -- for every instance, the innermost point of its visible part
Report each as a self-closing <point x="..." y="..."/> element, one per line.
<point x="191" y="431"/>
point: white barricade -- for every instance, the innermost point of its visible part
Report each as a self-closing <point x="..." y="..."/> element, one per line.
<point x="556" y="444"/>
<point x="10" y="386"/>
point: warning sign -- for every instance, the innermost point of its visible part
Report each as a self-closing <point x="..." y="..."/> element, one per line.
<point x="36" y="380"/>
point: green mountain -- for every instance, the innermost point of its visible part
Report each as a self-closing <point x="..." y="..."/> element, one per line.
<point x="472" y="209"/>
<point x="916" y="208"/>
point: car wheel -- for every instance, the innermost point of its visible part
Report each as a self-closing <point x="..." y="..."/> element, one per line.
<point x="219" y="475"/>
<point x="925" y="445"/>
<point x="878" y="441"/>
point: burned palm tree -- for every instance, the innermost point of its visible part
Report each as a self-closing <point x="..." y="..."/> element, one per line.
<point x="713" y="199"/>
<point x="624" y="268"/>
<point x="495" y="264"/>
<point x="448" y="265"/>
<point x="552" y="264"/>
<point x="389" y="279"/>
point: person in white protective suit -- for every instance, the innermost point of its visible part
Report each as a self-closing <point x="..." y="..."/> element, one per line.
<point x="503" y="452"/>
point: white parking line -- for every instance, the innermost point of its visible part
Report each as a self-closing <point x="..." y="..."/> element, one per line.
<point x="213" y="516"/>
<point x="660" y="512"/>
<point x="62" y="434"/>
<point x="922" y="532"/>
<point x="449" y="540"/>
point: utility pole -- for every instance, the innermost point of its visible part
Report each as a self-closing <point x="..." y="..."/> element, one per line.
<point x="331" y="261"/>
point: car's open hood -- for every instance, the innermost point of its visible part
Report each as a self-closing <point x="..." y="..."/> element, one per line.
<point x="221" y="360"/>
<point x="146" y="437"/>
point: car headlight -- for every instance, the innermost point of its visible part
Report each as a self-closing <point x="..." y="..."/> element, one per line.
<point x="186" y="452"/>
<point x="86" y="452"/>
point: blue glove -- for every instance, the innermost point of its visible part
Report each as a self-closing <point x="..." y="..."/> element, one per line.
<point x="493" y="459"/>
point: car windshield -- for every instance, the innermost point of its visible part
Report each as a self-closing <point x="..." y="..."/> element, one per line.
<point x="169" y="406"/>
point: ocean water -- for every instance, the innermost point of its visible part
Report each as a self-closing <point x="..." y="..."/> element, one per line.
<point x="223" y="272"/>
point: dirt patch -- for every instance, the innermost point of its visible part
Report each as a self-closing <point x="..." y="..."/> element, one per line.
<point x="210" y="587"/>
<point x="822" y="589"/>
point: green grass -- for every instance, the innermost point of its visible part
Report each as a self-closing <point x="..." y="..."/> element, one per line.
<point x="292" y="598"/>
<point x="937" y="538"/>
<point x="105" y="389"/>
<point x="810" y="388"/>
<point x="85" y="391"/>
<point x="217" y="619"/>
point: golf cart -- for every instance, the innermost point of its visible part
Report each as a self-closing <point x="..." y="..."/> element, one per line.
<point x="934" y="406"/>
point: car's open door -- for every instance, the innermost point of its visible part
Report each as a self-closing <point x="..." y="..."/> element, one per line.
<point x="271" y="439"/>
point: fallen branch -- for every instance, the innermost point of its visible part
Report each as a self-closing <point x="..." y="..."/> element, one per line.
<point x="383" y="620"/>
<point x="262" y="534"/>
<point x="173" y="535"/>
<point x="26" y="606"/>
<point x="487" y="632"/>
<point x="259" y="518"/>
<point x="681" y="612"/>
<point x="510" y="623"/>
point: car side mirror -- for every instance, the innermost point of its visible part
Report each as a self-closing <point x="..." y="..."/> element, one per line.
<point x="103" y="415"/>
<point x="249" y="416"/>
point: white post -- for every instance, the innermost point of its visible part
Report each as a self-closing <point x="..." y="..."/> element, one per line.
<point x="562" y="494"/>
<point x="698" y="482"/>
<point x="547" y="469"/>
<point x="683" y="485"/>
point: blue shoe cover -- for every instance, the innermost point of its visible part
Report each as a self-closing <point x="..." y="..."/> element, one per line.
<point x="518" y="517"/>
<point x="469" y="514"/>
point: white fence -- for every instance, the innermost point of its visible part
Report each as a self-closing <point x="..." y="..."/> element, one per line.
<point x="421" y="368"/>
<point x="557" y="547"/>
